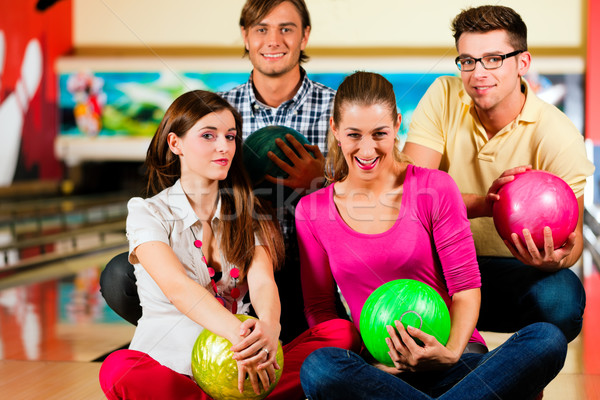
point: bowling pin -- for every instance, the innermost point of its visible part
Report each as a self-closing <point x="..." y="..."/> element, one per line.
<point x="14" y="108"/>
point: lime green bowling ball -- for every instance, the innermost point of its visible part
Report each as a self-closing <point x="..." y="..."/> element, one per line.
<point x="216" y="372"/>
<point x="411" y="302"/>
<point x="259" y="143"/>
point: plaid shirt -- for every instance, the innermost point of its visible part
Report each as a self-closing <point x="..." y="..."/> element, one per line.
<point x="307" y="112"/>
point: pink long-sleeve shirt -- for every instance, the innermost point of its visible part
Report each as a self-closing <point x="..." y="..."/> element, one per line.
<point x="431" y="242"/>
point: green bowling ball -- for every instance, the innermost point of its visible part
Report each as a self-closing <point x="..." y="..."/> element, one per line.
<point x="413" y="303"/>
<point x="216" y="372"/>
<point x="259" y="143"/>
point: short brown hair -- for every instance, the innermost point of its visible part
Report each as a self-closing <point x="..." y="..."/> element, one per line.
<point x="255" y="10"/>
<point x="490" y="18"/>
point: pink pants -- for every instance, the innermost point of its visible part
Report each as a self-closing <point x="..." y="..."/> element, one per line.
<point x="130" y="374"/>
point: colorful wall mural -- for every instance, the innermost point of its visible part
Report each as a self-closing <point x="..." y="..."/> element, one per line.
<point x="133" y="103"/>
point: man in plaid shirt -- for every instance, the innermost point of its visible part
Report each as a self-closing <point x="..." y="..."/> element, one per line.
<point x="278" y="92"/>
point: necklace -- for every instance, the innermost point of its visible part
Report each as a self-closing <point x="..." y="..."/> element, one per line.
<point x="234" y="273"/>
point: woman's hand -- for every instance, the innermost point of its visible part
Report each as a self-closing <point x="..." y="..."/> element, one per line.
<point x="264" y="376"/>
<point x="260" y="343"/>
<point x="407" y="355"/>
<point x="257" y="376"/>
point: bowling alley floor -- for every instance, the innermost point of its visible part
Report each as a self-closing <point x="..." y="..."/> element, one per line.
<point x="55" y="327"/>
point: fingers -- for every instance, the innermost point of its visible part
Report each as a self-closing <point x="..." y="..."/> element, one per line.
<point x="570" y="243"/>
<point x="397" y="358"/>
<point x="247" y="343"/>
<point x="264" y="379"/>
<point x="250" y="353"/>
<point x="287" y="150"/>
<point x="516" y="170"/>
<point x="254" y="382"/>
<point x="270" y="371"/>
<point x="511" y="248"/>
<point x="270" y="360"/>
<point x="315" y="150"/>
<point x="262" y="358"/>
<point x="531" y="247"/>
<point x="258" y="377"/>
<point x="395" y="343"/>
<point x="409" y="343"/>
<point x="241" y="377"/>
<point x="302" y="152"/>
<point x="507" y="176"/>
<point x="280" y="163"/>
<point x="548" y="242"/>
<point x="247" y="326"/>
<point x="299" y="147"/>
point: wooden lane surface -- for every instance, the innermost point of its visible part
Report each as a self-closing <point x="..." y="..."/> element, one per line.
<point x="26" y="380"/>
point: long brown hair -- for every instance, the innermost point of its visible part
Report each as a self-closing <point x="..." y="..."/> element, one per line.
<point x="363" y="88"/>
<point x="242" y="213"/>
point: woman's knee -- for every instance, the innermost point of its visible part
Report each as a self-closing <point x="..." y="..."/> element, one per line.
<point x="318" y="369"/>
<point x="550" y="343"/>
<point x="116" y="370"/>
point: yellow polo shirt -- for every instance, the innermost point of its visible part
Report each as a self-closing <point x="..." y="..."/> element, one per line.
<point x="445" y="121"/>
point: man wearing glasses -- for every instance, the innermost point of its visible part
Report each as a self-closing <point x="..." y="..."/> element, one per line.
<point x="485" y="127"/>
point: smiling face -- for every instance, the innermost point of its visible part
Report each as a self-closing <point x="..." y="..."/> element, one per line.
<point x="274" y="43"/>
<point x="367" y="135"/>
<point x="495" y="89"/>
<point x="205" y="151"/>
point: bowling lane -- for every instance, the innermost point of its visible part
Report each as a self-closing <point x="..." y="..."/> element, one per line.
<point x="63" y="319"/>
<point x="52" y="253"/>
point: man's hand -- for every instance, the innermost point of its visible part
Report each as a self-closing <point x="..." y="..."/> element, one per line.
<point x="481" y="206"/>
<point x="547" y="259"/>
<point x="305" y="172"/>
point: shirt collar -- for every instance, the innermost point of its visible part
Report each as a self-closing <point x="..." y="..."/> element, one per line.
<point x="182" y="209"/>
<point x="300" y="95"/>
<point x="530" y="111"/>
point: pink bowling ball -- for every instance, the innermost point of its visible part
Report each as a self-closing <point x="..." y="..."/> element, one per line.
<point x="533" y="200"/>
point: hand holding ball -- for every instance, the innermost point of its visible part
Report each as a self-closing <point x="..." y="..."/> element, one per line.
<point x="258" y="144"/>
<point x="216" y="372"/>
<point x="411" y="302"/>
<point x="534" y="200"/>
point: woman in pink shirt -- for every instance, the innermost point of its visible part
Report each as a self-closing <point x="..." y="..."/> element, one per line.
<point x="382" y="219"/>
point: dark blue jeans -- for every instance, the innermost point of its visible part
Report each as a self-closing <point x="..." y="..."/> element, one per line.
<point x="518" y="369"/>
<point x="514" y="295"/>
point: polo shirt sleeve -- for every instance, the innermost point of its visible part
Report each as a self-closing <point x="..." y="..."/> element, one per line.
<point x="426" y="122"/>
<point x="145" y="223"/>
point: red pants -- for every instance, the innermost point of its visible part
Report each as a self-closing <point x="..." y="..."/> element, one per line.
<point x="130" y="374"/>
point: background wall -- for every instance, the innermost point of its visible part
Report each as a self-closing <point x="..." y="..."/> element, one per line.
<point x="202" y="36"/>
<point x="336" y="23"/>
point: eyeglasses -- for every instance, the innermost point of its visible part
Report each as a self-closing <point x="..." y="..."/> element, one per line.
<point x="488" y="62"/>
